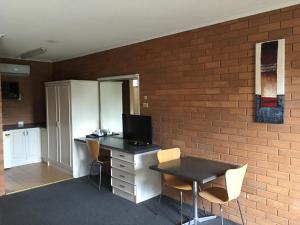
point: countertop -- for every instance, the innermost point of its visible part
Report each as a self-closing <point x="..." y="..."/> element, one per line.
<point x="26" y="126"/>
<point x="118" y="143"/>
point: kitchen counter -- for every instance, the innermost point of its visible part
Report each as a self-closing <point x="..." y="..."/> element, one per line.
<point x="118" y="143"/>
<point x="26" y="126"/>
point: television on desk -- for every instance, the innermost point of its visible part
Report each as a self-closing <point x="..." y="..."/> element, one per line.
<point x="137" y="129"/>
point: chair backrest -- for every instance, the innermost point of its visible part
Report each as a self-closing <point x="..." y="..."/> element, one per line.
<point x="168" y="155"/>
<point x="234" y="181"/>
<point x="94" y="149"/>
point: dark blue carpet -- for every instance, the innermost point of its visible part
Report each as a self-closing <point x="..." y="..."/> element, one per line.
<point x="75" y="202"/>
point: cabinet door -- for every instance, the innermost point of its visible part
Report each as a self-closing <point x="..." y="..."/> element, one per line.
<point x="18" y="152"/>
<point x="52" y="119"/>
<point x="7" y="149"/>
<point x="65" y="157"/>
<point x="33" y="145"/>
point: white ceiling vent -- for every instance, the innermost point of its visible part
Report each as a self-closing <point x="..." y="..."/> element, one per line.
<point x="14" y="69"/>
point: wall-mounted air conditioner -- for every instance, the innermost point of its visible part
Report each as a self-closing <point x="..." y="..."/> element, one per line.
<point x="14" y="69"/>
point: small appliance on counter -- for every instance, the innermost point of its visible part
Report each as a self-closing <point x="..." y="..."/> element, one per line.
<point x="101" y="133"/>
<point x="97" y="133"/>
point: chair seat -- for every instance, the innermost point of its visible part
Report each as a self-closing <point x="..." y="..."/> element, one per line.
<point x="215" y="195"/>
<point x="179" y="184"/>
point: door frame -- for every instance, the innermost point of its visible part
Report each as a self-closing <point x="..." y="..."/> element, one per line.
<point x="135" y="76"/>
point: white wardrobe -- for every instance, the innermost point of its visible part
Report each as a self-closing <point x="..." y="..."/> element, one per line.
<point x="72" y="111"/>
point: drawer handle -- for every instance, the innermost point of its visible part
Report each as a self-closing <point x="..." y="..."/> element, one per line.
<point x="122" y="166"/>
<point x="122" y="156"/>
<point x="121" y="186"/>
<point x="122" y="176"/>
<point x="7" y="135"/>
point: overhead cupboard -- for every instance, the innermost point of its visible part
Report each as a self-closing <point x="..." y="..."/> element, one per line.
<point x="72" y="111"/>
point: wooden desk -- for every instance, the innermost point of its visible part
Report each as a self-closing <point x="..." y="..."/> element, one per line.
<point x="198" y="170"/>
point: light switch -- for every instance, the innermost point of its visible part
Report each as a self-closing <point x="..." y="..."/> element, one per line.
<point x="145" y="97"/>
<point x="145" y="105"/>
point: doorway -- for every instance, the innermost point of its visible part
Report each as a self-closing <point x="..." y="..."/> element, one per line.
<point x="118" y="95"/>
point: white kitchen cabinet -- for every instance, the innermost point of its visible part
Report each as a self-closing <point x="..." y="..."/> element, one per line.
<point x="7" y="149"/>
<point x="33" y="145"/>
<point x="18" y="148"/>
<point x="72" y="111"/>
<point x="21" y="147"/>
<point x="44" y="145"/>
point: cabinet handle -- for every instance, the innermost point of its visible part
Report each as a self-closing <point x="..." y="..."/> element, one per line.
<point x="23" y="133"/>
<point x="121" y="186"/>
<point x="26" y="132"/>
<point x="122" y="156"/>
<point x="7" y="135"/>
<point x="122" y="176"/>
<point x="122" y="166"/>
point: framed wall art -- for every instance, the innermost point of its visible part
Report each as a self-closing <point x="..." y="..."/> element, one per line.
<point x="269" y="81"/>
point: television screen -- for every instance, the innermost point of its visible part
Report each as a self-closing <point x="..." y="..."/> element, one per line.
<point x="10" y="90"/>
<point x="137" y="129"/>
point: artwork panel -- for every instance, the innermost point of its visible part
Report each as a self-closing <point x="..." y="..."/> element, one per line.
<point x="269" y="84"/>
<point x="257" y="69"/>
<point x="269" y="51"/>
<point x="281" y="67"/>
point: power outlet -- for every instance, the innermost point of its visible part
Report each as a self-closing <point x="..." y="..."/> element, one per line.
<point x="145" y="105"/>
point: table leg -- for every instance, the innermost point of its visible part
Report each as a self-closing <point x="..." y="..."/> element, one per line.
<point x="196" y="219"/>
<point x="195" y="201"/>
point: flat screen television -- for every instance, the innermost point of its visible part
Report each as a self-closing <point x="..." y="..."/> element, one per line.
<point x="10" y="90"/>
<point x="137" y="129"/>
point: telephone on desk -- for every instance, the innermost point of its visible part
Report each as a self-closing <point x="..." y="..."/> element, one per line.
<point x="98" y="133"/>
<point x="101" y="133"/>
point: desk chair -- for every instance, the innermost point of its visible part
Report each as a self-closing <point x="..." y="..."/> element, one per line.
<point x="94" y="151"/>
<point x="170" y="180"/>
<point x="234" y="181"/>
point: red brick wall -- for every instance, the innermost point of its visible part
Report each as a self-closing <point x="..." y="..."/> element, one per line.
<point x="32" y="107"/>
<point x="200" y="88"/>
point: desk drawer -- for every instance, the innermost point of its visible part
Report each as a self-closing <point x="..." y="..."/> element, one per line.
<point x="124" y="194"/>
<point x="122" y="165"/>
<point x="123" y="186"/>
<point x="122" y="156"/>
<point x="122" y="175"/>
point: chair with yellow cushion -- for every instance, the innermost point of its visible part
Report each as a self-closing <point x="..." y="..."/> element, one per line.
<point x="170" y="180"/>
<point x="234" y="181"/>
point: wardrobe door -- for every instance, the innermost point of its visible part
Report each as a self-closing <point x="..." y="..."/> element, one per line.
<point x="52" y="122"/>
<point x="65" y="153"/>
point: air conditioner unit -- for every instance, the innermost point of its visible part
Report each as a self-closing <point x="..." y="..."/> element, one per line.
<point x="14" y="69"/>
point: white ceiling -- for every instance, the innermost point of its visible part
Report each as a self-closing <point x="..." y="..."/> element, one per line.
<point x="80" y="27"/>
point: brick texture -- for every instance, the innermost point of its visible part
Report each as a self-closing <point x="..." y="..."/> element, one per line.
<point x="200" y="87"/>
<point x="32" y="107"/>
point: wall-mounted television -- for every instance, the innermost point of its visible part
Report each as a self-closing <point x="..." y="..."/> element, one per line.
<point x="10" y="90"/>
<point x="137" y="129"/>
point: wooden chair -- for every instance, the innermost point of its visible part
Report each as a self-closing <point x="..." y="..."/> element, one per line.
<point x="170" y="180"/>
<point x="94" y="152"/>
<point x="234" y="181"/>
